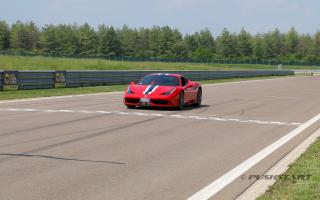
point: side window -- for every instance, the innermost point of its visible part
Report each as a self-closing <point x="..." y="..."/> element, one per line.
<point x="184" y="81"/>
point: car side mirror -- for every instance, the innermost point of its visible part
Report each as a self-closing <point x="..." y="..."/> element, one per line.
<point x="187" y="83"/>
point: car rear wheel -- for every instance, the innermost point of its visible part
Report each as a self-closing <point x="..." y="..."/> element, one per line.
<point x="181" y="101"/>
<point x="199" y="97"/>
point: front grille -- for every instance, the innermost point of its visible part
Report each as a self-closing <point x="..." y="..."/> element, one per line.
<point x="159" y="101"/>
<point x="132" y="100"/>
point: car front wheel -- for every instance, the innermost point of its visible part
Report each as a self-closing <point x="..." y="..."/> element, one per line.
<point x="199" y="97"/>
<point x="181" y="101"/>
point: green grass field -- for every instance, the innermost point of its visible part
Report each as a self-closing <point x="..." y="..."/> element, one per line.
<point x="50" y="63"/>
<point x="308" y="189"/>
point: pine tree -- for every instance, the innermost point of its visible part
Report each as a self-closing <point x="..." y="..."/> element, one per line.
<point x="244" y="44"/>
<point x="4" y="36"/>
<point x="227" y="44"/>
<point x="278" y="44"/>
<point x="305" y="47"/>
<point x="48" y="39"/>
<point x="258" y="47"/>
<point x="292" y="40"/>
<point x="109" y="44"/>
<point x="18" y="35"/>
<point x="155" y="41"/>
<point x="192" y="44"/>
<point x="317" y="45"/>
<point x="129" y="40"/>
<point x="160" y="42"/>
<point x="88" y="40"/>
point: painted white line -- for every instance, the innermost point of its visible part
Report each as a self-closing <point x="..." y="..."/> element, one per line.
<point x="297" y="124"/>
<point x="261" y="186"/>
<point x="217" y="185"/>
<point x="178" y="116"/>
<point x="86" y="112"/>
<point x="49" y="111"/>
<point x="249" y="81"/>
<point x="31" y="110"/>
<point x="119" y="92"/>
<point x="57" y="97"/>
<point x="197" y="117"/>
<point x="66" y="111"/>
<point x="190" y="117"/>
<point x="221" y="119"/>
<point x="156" y="115"/>
<point x="103" y="112"/>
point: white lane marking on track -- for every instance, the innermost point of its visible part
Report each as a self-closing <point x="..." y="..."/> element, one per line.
<point x="66" y="111"/>
<point x="179" y="116"/>
<point x="191" y="117"/>
<point x="121" y="113"/>
<point x="86" y="112"/>
<point x="296" y="124"/>
<point x="217" y="185"/>
<point x="57" y="97"/>
<point x="119" y="92"/>
<point x="50" y="111"/>
<point x="103" y="112"/>
<point x="156" y="115"/>
<point x="249" y="81"/>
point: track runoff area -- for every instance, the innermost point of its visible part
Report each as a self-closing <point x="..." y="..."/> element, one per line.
<point x="92" y="147"/>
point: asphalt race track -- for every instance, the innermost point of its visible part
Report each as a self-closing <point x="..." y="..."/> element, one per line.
<point x="92" y="147"/>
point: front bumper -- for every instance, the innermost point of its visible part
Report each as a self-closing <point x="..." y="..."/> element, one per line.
<point x="155" y="100"/>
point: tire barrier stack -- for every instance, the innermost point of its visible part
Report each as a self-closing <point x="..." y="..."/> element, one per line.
<point x="27" y="80"/>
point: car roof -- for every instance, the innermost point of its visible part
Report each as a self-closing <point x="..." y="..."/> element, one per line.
<point x="166" y="74"/>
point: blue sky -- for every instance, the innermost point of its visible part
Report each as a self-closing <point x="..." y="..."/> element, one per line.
<point x="186" y="15"/>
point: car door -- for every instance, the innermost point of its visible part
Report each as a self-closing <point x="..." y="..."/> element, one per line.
<point x="188" y="90"/>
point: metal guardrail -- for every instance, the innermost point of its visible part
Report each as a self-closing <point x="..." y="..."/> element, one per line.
<point x="307" y="71"/>
<point x="1" y="80"/>
<point x="36" y="80"/>
<point x="26" y="80"/>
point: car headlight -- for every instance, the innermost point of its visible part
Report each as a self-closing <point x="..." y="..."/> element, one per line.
<point x="129" y="91"/>
<point x="169" y="92"/>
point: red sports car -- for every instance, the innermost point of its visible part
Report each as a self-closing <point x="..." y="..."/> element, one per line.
<point x="163" y="90"/>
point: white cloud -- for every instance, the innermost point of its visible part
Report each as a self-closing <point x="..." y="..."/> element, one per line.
<point x="68" y="3"/>
<point x="182" y="3"/>
<point x="253" y="7"/>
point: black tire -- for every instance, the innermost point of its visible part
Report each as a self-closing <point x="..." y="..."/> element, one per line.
<point x="199" y="97"/>
<point x="130" y="107"/>
<point x="181" y="101"/>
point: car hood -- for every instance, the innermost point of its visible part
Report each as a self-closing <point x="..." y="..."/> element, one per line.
<point x="150" y="89"/>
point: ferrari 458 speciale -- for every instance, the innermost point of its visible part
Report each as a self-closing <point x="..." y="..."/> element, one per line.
<point x="163" y="90"/>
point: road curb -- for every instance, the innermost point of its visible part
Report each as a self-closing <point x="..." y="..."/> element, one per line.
<point x="262" y="185"/>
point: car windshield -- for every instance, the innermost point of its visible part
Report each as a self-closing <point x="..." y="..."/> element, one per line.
<point x="163" y="80"/>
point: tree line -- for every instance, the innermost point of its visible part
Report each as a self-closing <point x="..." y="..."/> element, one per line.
<point x="157" y="42"/>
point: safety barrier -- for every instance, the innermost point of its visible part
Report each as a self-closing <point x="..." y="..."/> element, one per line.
<point x="1" y="80"/>
<point x="26" y="80"/>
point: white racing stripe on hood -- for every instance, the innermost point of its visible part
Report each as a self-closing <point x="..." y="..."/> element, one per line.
<point x="154" y="89"/>
<point x="144" y="92"/>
